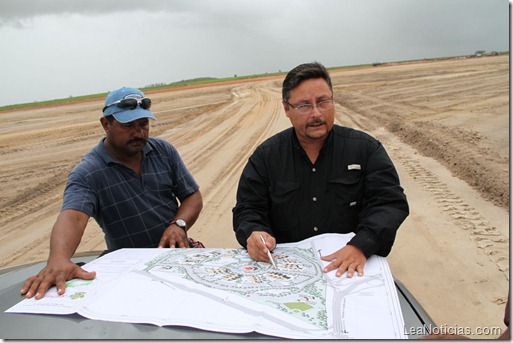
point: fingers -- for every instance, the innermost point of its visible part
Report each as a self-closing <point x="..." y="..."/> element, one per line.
<point x="27" y="284"/>
<point x="345" y="266"/>
<point x="183" y="243"/>
<point x="60" y="283"/>
<point x="174" y="237"/>
<point x="84" y="274"/>
<point x="31" y="285"/>
<point x="258" y="244"/>
<point x="258" y="251"/>
<point x="348" y="259"/>
<point x="174" y="243"/>
<point x="37" y="286"/>
<point x="351" y="269"/>
<point x="359" y="270"/>
<point x="166" y="241"/>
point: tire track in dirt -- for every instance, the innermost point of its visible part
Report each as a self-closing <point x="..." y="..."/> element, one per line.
<point x="486" y="237"/>
<point x="458" y="151"/>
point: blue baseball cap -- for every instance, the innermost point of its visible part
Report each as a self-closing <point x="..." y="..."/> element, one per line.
<point x="125" y="115"/>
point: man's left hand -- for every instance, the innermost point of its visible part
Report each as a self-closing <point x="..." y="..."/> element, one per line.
<point x="173" y="237"/>
<point x="349" y="259"/>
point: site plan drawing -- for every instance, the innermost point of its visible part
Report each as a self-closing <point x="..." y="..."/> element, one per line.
<point x="224" y="290"/>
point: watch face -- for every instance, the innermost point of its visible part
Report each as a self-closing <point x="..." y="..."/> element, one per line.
<point x="181" y="223"/>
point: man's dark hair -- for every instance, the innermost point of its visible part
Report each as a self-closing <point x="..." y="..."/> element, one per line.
<point x="301" y="73"/>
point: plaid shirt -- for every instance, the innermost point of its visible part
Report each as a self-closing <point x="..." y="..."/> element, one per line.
<point x="133" y="210"/>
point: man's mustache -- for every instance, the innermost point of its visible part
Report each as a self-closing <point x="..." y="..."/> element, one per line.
<point x="316" y="122"/>
<point x="136" y="140"/>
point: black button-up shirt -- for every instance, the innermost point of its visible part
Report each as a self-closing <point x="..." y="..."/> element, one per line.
<point x="352" y="187"/>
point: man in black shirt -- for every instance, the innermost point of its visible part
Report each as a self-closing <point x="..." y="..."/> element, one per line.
<point x="317" y="177"/>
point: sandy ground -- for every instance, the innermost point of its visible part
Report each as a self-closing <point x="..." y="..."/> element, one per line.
<point x="445" y="124"/>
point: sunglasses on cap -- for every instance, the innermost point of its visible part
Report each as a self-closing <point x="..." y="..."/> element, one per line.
<point x="130" y="104"/>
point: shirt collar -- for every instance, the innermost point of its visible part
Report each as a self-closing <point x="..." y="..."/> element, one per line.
<point x="327" y="143"/>
<point x="105" y="156"/>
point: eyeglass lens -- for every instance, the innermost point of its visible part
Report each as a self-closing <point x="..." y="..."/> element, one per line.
<point x="321" y="106"/>
<point x="145" y="103"/>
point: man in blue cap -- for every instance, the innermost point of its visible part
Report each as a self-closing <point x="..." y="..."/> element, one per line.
<point x="136" y="187"/>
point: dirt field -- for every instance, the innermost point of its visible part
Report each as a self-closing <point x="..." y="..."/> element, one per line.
<point x="445" y="124"/>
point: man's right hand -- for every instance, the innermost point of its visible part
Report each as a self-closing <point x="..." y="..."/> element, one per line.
<point x="257" y="249"/>
<point x="55" y="273"/>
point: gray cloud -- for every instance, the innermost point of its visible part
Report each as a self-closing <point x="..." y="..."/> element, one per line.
<point x="63" y="47"/>
<point x="17" y="12"/>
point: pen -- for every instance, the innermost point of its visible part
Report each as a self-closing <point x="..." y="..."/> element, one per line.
<point x="269" y="253"/>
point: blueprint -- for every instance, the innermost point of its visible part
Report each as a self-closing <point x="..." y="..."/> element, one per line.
<point x="296" y="288"/>
<point x="224" y="290"/>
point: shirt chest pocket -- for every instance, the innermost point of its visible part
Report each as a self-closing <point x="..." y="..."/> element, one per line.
<point x="284" y="192"/>
<point x="347" y="189"/>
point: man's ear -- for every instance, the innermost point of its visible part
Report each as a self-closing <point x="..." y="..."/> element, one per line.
<point x="286" y="107"/>
<point x="105" y="123"/>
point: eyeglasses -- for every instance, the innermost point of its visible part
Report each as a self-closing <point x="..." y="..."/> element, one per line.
<point x="130" y="104"/>
<point x="322" y="106"/>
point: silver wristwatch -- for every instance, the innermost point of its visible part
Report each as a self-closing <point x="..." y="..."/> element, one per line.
<point x="180" y="223"/>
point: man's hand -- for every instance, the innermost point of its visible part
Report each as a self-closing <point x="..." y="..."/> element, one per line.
<point x="174" y="236"/>
<point x="349" y="259"/>
<point x="257" y="250"/>
<point x="55" y="273"/>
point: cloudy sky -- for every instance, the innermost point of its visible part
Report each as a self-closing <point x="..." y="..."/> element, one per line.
<point x="59" y="48"/>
